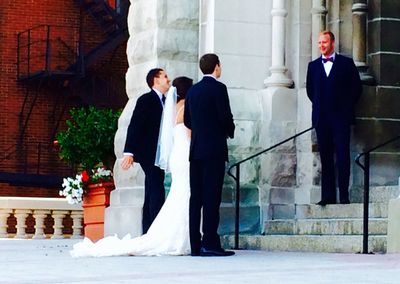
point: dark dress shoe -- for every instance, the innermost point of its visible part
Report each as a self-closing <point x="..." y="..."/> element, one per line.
<point x="195" y="252"/>
<point x="215" y="252"/>
<point x="345" y="201"/>
<point x="323" y="202"/>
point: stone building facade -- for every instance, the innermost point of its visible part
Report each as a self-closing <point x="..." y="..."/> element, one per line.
<point x="264" y="47"/>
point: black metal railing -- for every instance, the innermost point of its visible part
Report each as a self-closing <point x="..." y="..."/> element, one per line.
<point x="237" y="179"/>
<point x="366" y="168"/>
<point x="33" y="158"/>
<point x="46" y="49"/>
<point x="110" y="15"/>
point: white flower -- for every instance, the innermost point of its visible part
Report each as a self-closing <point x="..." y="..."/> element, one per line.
<point x="73" y="187"/>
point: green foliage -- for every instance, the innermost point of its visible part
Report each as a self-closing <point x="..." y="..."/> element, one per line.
<point x="89" y="137"/>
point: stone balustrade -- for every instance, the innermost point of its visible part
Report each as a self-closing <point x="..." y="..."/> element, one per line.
<point x="40" y="209"/>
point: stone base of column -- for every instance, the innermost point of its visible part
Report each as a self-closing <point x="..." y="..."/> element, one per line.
<point x="278" y="78"/>
<point x="393" y="240"/>
<point x="124" y="215"/>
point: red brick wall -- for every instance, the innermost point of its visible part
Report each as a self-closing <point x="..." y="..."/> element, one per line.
<point x="17" y="16"/>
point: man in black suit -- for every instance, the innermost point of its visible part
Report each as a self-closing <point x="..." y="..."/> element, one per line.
<point x="333" y="86"/>
<point x="141" y="143"/>
<point x="208" y="115"/>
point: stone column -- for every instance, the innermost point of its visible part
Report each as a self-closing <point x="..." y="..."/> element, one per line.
<point x="162" y="34"/>
<point x="58" y="217"/>
<point x="4" y="214"/>
<point x="359" y="17"/>
<point x="39" y="216"/>
<point x="318" y="12"/>
<point x="278" y="69"/>
<point x="77" y="217"/>
<point x="20" y="215"/>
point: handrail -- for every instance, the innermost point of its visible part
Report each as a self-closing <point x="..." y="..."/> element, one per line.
<point x="366" y="168"/>
<point x="237" y="178"/>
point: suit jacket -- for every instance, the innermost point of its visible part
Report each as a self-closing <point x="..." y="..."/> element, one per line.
<point x="143" y="130"/>
<point x="346" y="88"/>
<point x="208" y="115"/>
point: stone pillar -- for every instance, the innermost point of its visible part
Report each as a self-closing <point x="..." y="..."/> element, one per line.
<point x="359" y="18"/>
<point x="39" y="216"/>
<point x="318" y="12"/>
<point x="278" y="69"/>
<point x="20" y="215"/>
<point x="162" y="34"/>
<point x="77" y="217"/>
<point x="58" y="217"/>
<point x="393" y="240"/>
<point x="278" y="121"/>
<point x="4" y="214"/>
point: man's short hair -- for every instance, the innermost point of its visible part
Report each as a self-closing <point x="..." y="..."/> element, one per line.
<point x="331" y="35"/>
<point x="208" y="62"/>
<point x="153" y="73"/>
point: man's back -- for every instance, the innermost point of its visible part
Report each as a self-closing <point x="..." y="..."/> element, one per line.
<point x="209" y="116"/>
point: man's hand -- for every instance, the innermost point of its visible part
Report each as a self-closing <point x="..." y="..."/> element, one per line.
<point x="127" y="161"/>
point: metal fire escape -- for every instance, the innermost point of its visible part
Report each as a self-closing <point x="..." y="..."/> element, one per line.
<point x="52" y="59"/>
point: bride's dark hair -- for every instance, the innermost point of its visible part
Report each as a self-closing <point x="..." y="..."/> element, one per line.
<point x="182" y="85"/>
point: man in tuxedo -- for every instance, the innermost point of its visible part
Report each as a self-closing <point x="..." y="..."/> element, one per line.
<point x="333" y="86"/>
<point x="141" y="143"/>
<point x="208" y="115"/>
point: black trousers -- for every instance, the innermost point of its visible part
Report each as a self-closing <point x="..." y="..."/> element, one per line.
<point x="334" y="142"/>
<point x="154" y="193"/>
<point x="206" y="181"/>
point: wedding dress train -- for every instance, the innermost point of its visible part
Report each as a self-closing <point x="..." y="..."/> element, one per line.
<point x="169" y="233"/>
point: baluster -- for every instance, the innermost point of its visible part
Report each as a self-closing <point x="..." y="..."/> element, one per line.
<point x="39" y="216"/>
<point x="20" y="215"/>
<point x="4" y="214"/>
<point x="58" y="217"/>
<point x="77" y="217"/>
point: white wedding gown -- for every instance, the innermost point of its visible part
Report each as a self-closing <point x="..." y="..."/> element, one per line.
<point x="169" y="233"/>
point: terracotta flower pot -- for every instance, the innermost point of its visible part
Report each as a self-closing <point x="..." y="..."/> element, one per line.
<point x="95" y="201"/>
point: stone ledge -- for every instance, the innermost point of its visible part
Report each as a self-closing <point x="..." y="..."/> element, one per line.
<point x="37" y="203"/>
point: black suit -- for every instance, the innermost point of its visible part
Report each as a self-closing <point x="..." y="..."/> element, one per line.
<point x="333" y="99"/>
<point x="208" y="115"/>
<point x="141" y="141"/>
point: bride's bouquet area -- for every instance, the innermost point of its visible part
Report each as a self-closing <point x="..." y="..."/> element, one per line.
<point x="75" y="188"/>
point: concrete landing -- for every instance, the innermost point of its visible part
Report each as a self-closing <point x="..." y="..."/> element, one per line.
<point x="48" y="261"/>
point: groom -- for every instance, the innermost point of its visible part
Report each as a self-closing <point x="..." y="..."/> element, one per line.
<point x="208" y="115"/>
<point x="141" y="143"/>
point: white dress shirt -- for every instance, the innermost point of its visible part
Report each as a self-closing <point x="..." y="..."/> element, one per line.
<point x="328" y="65"/>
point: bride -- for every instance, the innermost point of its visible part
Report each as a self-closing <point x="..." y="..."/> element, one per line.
<point x="169" y="233"/>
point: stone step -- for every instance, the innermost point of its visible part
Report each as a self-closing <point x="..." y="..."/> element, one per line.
<point x="308" y="243"/>
<point x="376" y="226"/>
<point x="303" y="211"/>
<point x="376" y="193"/>
<point x="248" y="194"/>
<point x="249" y="222"/>
<point x="330" y="211"/>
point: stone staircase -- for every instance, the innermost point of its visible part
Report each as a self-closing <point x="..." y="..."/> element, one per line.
<point x="333" y="228"/>
<point x="249" y="210"/>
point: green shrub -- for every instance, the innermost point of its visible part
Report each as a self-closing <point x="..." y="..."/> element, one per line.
<point x="88" y="139"/>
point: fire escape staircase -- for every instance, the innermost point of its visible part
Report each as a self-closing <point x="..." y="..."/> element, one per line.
<point x="51" y="56"/>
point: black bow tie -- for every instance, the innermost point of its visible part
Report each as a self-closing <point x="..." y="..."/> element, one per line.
<point x="327" y="59"/>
